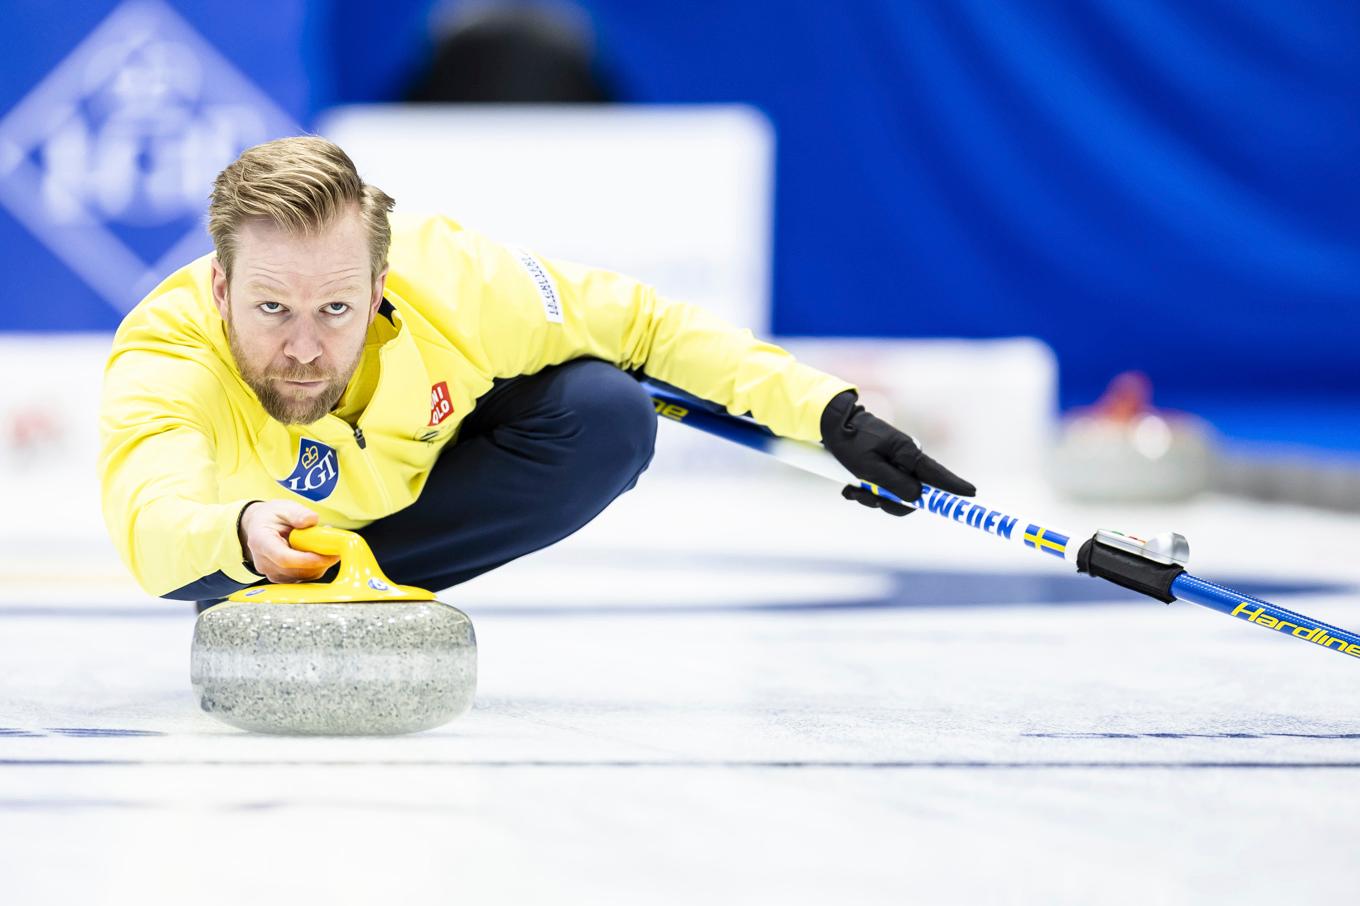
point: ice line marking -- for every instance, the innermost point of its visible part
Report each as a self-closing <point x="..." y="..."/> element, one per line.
<point x="707" y="765"/>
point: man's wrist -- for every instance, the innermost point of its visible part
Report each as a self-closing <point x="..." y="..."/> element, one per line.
<point x="246" y="560"/>
<point x="837" y="413"/>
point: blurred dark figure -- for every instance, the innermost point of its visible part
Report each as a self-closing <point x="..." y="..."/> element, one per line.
<point x="513" y="53"/>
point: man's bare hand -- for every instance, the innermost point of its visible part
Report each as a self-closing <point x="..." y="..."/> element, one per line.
<point x="264" y="539"/>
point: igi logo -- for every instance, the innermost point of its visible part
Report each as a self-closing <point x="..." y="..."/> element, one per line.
<point x="109" y="159"/>
<point x="316" y="472"/>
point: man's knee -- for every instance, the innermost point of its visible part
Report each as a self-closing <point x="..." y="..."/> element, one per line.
<point x="615" y="415"/>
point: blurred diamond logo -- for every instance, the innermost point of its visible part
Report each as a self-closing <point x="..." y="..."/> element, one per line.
<point x="110" y="158"/>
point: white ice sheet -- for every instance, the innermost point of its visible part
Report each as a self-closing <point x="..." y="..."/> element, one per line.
<point x="712" y="732"/>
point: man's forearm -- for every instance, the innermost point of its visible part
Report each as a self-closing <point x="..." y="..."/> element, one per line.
<point x="186" y="550"/>
<point x="704" y="355"/>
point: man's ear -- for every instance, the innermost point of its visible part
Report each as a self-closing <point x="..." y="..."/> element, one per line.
<point x="378" y="284"/>
<point x="219" y="289"/>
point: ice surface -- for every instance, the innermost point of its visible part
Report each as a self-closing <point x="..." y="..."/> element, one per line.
<point x="720" y="693"/>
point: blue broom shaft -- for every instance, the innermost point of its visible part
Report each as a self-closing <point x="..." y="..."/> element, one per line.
<point x="1263" y="613"/>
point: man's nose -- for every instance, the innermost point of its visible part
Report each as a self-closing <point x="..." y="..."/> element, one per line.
<point x="302" y="345"/>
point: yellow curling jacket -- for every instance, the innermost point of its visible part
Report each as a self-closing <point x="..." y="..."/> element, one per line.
<point x="185" y="443"/>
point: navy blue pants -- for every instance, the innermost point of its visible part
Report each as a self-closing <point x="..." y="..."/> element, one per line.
<point x="538" y="457"/>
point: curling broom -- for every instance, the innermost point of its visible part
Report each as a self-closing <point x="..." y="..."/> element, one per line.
<point x="1155" y="567"/>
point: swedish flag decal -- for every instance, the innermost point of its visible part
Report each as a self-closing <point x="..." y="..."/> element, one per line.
<point x="1046" y="540"/>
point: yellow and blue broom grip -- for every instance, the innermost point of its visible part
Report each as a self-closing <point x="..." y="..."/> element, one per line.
<point x="1154" y="568"/>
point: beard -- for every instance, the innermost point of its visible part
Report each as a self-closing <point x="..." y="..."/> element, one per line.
<point x="287" y="404"/>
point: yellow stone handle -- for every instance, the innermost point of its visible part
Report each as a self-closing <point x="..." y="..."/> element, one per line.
<point x="360" y="579"/>
<point x="332" y="542"/>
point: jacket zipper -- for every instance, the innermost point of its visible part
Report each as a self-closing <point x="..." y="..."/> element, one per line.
<point x="372" y="467"/>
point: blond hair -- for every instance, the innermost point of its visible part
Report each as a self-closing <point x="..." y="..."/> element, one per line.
<point x="300" y="184"/>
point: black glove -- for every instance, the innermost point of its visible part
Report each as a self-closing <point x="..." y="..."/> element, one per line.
<point x="877" y="452"/>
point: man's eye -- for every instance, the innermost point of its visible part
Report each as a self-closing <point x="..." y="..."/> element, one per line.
<point x="336" y="308"/>
<point x="271" y="308"/>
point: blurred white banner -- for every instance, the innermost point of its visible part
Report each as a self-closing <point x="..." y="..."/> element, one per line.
<point x="677" y="196"/>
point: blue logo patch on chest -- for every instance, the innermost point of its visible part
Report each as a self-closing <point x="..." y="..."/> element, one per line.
<point x="316" y="472"/>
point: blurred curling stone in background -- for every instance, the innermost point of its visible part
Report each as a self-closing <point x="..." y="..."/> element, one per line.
<point x="358" y="656"/>
<point x="1125" y="449"/>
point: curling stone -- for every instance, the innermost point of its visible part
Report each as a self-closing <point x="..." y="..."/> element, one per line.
<point x="1126" y="450"/>
<point x="359" y="656"/>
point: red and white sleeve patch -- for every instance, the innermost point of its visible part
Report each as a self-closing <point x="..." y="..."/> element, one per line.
<point x="440" y="405"/>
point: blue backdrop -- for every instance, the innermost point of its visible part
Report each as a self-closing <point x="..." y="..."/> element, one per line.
<point x="1142" y="183"/>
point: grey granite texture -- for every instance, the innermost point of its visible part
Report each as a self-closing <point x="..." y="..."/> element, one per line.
<point x="334" y="669"/>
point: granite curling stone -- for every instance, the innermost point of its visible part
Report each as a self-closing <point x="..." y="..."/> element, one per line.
<point x="355" y="657"/>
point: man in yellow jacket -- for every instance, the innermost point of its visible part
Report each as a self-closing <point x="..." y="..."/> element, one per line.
<point x="457" y="402"/>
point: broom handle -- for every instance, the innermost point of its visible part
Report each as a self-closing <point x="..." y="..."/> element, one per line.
<point x="809" y="457"/>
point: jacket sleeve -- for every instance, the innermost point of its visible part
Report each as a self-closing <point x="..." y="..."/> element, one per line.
<point x="158" y="479"/>
<point x="537" y="312"/>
